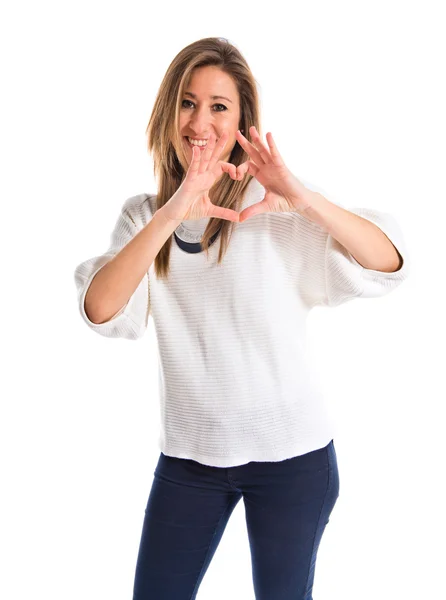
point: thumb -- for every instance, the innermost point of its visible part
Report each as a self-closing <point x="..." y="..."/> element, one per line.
<point x="224" y="213"/>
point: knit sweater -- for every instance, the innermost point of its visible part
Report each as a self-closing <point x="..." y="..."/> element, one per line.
<point x="235" y="381"/>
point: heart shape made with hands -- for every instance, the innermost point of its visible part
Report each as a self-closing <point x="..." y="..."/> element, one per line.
<point x="283" y="191"/>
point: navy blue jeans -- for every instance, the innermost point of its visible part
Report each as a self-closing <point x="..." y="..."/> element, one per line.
<point x="287" y="506"/>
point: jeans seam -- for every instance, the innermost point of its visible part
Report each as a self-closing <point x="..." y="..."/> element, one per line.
<point x="209" y="549"/>
<point x="319" y="519"/>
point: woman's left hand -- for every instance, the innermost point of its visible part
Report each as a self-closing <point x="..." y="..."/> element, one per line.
<point x="283" y="191"/>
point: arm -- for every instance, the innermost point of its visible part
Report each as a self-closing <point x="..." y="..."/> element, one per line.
<point x="114" y="284"/>
<point x="366" y="242"/>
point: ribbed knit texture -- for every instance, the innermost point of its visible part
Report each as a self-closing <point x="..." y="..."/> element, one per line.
<point x="235" y="383"/>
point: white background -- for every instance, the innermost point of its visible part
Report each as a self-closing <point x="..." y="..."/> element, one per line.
<point x="354" y="95"/>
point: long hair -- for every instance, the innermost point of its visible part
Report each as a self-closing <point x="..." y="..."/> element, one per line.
<point x="164" y="136"/>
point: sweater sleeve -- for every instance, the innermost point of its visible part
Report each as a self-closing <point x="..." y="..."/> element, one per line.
<point x="346" y="279"/>
<point x="332" y="276"/>
<point x="131" y="320"/>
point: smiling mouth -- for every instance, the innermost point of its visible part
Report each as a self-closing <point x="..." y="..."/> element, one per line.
<point x="193" y="145"/>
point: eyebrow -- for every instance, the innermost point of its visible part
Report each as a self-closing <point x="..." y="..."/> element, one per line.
<point x="211" y="97"/>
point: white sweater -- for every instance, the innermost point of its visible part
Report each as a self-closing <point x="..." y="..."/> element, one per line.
<point x="235" y="383"/>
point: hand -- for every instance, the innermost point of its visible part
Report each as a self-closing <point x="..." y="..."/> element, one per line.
<point x="191" y="200"/>
<point x="284" y="192"/>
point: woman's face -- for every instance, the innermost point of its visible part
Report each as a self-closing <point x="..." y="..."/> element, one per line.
<point x="200" y="114"/>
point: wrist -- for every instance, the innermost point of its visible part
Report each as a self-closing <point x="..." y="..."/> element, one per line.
<point x="165" y="223"/>
<point x="163" y="215"/>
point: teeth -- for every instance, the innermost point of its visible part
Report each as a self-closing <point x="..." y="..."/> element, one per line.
<point x="197" y="143"/>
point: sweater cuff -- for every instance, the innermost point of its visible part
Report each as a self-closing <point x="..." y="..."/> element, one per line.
<point x="390" y="227"/>
<point x="129" y="322"/>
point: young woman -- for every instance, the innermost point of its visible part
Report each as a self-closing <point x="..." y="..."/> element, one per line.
<point x="241" y="414"/>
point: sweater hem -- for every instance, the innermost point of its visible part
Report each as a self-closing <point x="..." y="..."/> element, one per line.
<point x="235" y="460"/>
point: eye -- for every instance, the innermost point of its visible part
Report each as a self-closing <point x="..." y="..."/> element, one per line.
<point x="222" y="105"/>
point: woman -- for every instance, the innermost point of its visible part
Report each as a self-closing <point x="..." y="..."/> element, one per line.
<point x="241" y="414"/>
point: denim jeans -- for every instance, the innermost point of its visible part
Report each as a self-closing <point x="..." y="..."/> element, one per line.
<point x="287" y="506"/>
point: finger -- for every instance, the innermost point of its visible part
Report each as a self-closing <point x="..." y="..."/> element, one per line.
<point x="206" y="154"/>
<point x="242" y="169"/>
<point x="228" y="168"/>
<point x="239" y="172"/>
<point x="277" y="159"/>
<point x="218" y="150"/>
<point x="194" y="164"/>
<point x="249" y="148"/>
<point x="247" y="167"/>
<point x="257" y="142"/>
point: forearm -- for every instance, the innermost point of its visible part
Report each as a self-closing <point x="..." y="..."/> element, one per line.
<point x="362" y="238"/>
<point x="114" y="284"/>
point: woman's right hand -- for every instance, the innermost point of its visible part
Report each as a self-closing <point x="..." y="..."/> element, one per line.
<point x="191" y="201"/>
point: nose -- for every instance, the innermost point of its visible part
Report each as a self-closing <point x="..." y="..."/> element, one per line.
<point x="200" y="123"/>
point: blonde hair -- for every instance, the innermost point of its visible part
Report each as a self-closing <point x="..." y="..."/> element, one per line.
<point x="164" y="136"/>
